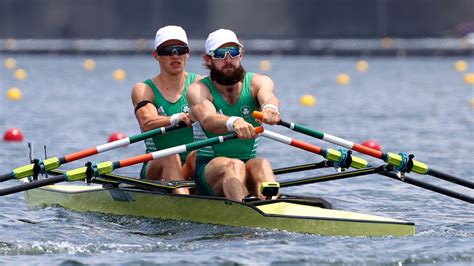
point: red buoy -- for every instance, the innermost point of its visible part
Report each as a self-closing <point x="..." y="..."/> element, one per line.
<point x="371" y="144"/>
<point x="116" y="136"/>
<point x="13" y="134"/>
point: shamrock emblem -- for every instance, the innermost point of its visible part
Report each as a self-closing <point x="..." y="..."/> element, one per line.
<point x="185" y="109"/>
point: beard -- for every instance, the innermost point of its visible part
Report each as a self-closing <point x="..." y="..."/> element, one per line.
<point x="227" y="79"/>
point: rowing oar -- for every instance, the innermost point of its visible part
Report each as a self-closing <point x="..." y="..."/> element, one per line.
<point x="341" y="158"/>
<point x="345" y="161"/>
<point x="401" y="162"/>
<point x="96" y="170"/>
<point x="303" y="167"/>
<point x="55" y="162"/>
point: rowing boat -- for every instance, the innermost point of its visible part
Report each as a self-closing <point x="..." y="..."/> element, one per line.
<point x="290" y="213"/>
<point x="115" y="194"/>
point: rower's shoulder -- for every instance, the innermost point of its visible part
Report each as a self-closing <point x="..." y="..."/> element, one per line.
<point x="197" y="90"/>
<point x="261" y="80"/>
<point x="141" y="91"/>
<point x="257" y="78"/>
<point x="141" y="85"/>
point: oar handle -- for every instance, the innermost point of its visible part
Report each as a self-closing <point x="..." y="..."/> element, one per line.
<point x="258" y="115"/>
<point x="31" y="185"/>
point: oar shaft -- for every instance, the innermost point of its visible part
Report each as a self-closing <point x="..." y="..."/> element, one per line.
<point x="6" y="177"/>
<point x="118" y="143"/>
<point x="174" y="150"/>
<point x="329" y="154"/>
<point x="55" y="162"/>
<point x="31" y="185"/>
<point x="331" y="177"/>
<point x="451" y="178"/>
<point x="397" y="160"/>
<point x="431" y="187"/>
<point x="333" y="139"/>
<point x="303" y="167"/>
<point x="107" y="167"/>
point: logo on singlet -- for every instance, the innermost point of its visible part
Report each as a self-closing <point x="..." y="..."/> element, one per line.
<point x="185" y="108"/>
<point x="162" y="111"/>
<point x="245" y="111"/>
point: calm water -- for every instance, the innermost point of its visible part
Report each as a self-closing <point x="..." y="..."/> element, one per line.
<point x="414" y="105"/>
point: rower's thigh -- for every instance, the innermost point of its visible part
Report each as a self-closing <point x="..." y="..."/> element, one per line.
<point x="221" y="168"/>
<point x="189" y="166"/>
<point x="167" y="168"/>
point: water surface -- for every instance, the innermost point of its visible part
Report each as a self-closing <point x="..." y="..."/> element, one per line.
<point x="416" y="105"/>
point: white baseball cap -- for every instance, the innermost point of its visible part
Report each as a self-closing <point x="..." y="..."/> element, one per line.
<point x="218" y="38"/>
<point x="170" y="33"/>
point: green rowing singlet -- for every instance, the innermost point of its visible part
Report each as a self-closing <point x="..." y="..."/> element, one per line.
<point x="166" y="108"/>
<point x="237" y="148"/>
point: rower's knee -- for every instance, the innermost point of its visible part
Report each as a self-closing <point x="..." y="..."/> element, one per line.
<point x="234" y="168"/>
<point x="258" y="163"/>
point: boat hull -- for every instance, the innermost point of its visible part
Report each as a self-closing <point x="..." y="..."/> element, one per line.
<point x="283" y="214"/>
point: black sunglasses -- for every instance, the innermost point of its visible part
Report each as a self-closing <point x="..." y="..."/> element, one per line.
<point x="173" y="50"/>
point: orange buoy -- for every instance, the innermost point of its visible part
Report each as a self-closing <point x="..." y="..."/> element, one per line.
<point x="13" y="134"/>
<point x="371" y="144"/>
<point x="116" y="136"/>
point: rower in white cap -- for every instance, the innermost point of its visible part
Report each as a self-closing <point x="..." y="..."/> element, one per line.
<point x="160" y="101"/>
<point x="222" y="103"/>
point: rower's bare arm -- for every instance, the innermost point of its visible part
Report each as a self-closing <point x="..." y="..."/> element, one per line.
<point x="203" y="111"/>
<point x="147" y="115"/>
<point x="264" y="90"/>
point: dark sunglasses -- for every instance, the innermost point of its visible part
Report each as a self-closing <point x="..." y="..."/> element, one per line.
<point x="173" y="50"/>
<point x="220" y="53"/>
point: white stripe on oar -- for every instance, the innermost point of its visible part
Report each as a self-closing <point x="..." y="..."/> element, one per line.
<point x="169" y="151"/>
<point x="278" y="137"/>
<point x="113" y="145"/>
<point x="338" y="141"/>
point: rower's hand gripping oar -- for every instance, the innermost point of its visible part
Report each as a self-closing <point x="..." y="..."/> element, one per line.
<point x="401" y="162"/>
<point x="98" y="169"/>
<point x="339" y="158"/>
<point x="42" y="166"/>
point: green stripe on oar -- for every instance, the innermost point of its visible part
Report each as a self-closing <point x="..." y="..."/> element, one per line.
<point x="393" y="159"/>
<point x="82" y="173"/>
<point x="54" y="162"/>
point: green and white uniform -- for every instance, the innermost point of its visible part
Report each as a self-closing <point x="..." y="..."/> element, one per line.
<point x="243" y="149"/>
<point x="166" y="108"/>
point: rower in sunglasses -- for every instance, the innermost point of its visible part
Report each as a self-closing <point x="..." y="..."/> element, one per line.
<point x="222" y="103"/>
<point x="160" y="101"/>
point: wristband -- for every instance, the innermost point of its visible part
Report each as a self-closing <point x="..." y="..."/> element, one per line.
<point x="272" y="106"/>
<point x="230" y="123"/>
<point x="174" y="119"/>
